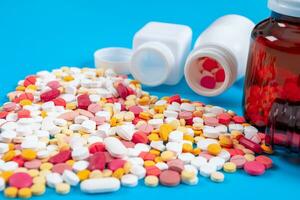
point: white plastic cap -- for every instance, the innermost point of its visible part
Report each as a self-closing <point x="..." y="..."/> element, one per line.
<point x="151" y="63"/>
<point x="285" y="7"/>
<point x="115" y="58"/>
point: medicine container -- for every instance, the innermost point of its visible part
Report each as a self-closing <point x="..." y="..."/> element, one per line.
<point x="272" y="83"/>
<point x="219" y="56"/>
<point x="159" y="53"/>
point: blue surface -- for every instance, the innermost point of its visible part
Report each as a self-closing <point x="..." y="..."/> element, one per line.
<point x="38" y="35"/>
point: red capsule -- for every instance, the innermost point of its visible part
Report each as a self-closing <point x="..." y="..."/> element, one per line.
<point x="250" y="145"/>
<point x="175" y="98"/>
<point x="59" y="102"/>
<point x="50" y="95"/>
<point x="96" y="147"/>
<point x="139" y="137"/>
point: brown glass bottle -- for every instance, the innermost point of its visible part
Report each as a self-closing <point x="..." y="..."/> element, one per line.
<point x="273" y="71"/>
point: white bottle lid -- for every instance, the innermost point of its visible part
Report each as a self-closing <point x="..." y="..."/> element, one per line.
<point x="115" y="58"/>
<point x="285" y="7"/>
<point x="152" y="63"/>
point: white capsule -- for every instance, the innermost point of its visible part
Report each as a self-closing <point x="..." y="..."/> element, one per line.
<point x="70" y="178"/>
<point x="101" y="185"/>
<point x="115" y="147"/>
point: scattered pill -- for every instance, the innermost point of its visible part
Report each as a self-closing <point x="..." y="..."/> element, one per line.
<point x="102" y="185"/>
<point x="254" y="168"/>
<point x="169" y="178"/>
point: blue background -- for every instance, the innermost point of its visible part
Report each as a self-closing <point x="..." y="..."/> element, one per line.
<point x="38" y="35"/>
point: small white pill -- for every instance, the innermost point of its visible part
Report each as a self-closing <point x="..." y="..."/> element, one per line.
<point x="115" y="147"/>
<point x="52" y="179"/>
<point x="129" y="180"/>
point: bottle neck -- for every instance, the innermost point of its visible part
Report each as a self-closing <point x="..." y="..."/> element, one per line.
<point x="285" y="18"/>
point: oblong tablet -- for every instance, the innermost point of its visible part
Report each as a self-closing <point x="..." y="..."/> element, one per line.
<point x="100" y="185"/>
<point x="115" y="147"/>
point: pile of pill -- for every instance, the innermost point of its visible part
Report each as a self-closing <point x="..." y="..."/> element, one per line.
<point x="100" y="131"/>
<point x="212" y="73"/>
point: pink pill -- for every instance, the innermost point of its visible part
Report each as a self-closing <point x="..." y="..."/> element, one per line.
<point x="238" y="160"/>
<point x="146" y="128"/>
<point x="176" y="165"/>
<point x="61" y="167"/>
<point x="33" y="164"/>
<point x="20" y="180"/>
<point x="116" y="164"/>
<point x="254" y="168"/>
<point x="206" y="155"/>
<point x="69" y="116"/>
<point x="135" y="109"/>
<point x="185" y="115"/>
<point x="94" y="107"/>
<point x="83" y="101"/>
<point x="169" y="178"/>
<point x="9" y="107"/>
<point x="86" y="113"/>
<point x="208" y="82"/>
<point x="128" y="144"/>
<point x="211" y="121"/>
<point x="98" y="120"/>
<point x="53" y="84"/>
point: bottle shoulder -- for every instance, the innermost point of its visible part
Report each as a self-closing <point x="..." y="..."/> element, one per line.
<point x="278" y="33"/>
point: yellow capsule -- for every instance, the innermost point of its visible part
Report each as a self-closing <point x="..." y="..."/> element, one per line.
<point x="11" y="146"/>
<point x="70" y="162"/>
<point x="32" y="87"/>
<point x="267" y="149"/>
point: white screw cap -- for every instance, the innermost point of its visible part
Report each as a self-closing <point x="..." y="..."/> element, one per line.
<point x="285" y="7"/>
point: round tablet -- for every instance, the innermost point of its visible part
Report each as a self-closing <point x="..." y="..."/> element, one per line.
<point x="129" y="180"/>
<point x="238" y="160"/>
<point x="254" y="168"/>
<point x="217" y="177"/>
<point x="20" y="180"/>
<point x="266" y="161"/>
<point x="169" y="178"/>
